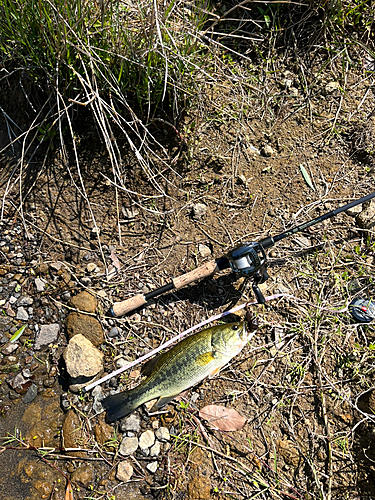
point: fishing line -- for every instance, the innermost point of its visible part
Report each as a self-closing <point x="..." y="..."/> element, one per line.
<point x="199" y="325"/>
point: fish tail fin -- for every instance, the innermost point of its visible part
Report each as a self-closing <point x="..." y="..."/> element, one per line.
<point x="120" y="405"/>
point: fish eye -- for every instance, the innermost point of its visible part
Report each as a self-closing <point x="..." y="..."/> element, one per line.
<point x="235" y="327"/>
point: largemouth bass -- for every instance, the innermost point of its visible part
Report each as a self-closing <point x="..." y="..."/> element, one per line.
<point x="199" y="356"/>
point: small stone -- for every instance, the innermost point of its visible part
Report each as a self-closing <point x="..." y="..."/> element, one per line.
<point x="55" y="266"/>
<point x="199" y="210"/>
<point x="332" y="87"/>
<point x="288" y="451"/>
<point x="204" y="250"/>
<point x="22" y="314"/>
<point x="84" y="301"/>
<point x="82" y="358"/>
<point x="131" y="423"/>
<point x="162" y="434"/>
<point x="155" y="449"/>
<point x="25" y="301"/>
<point x="83" y="475"/>
<point x="121" y="362"/>
<point x="9" y="348"/>
<point x="103" y="432"/>
<point x="303" y="241"/>
<point x="92" y="268"/>
<point x="40" y="285"/>
<point x="268" y="151"/>
<point x="128" y="446"/>
<point x="46" y="335"/>
<point x="146" y="440"/>
<point x="152" y="467"/>
<point x="124" y="471"/>
<point x="86" y="281"/>
<point x="114" y="332"/>
<point x="134" y="373"/>
<point x="31" y="394"/>
<point x="366" y="219"/>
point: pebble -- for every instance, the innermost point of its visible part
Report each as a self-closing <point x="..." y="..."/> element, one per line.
<point x="121" y="362"/>
<point x="22" y="314"/>
<point x="128" y="446"/>
<point x="92" y="268"/>
<point x="131" y="423"/>
<point x="152" y="467"/>
<point x="146" y="440"/>
<point x="46" y="335"/>
<point x="114" y="332"/>
<point x="8" y="349"/>
<point x="268" y="151"/>
<point x="82" y="358"/>
<point x="55" y="266"/>
<point x="204" y="250"/>
<point x="40" y="285"/>
<point x="162" y="434"/>
<point x="25" y="301"/>
<point x="155" y="449"/>
<point x="124" y="471"/>
<point x="199" y="210"/>
<point x="366" y="219"/>
<point x="332" y="87"/>
<point x="31" y="394"/>
<point x="86" y="281"/>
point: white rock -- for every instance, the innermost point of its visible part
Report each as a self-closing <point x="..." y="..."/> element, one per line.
<point x="152" y="467"/>
<point x="147" y="439"/>
<point x="128" y="446"/>
<point x="82" y="358"/>
<point x="155" y="449"/>
<point x="204" y="250"/>
<point x="199" y="209"/>
<point x="132" y="423"/>
<point x="124" y="471"/>
<point x="22" y="314"/>
<point x="40" y="284"/>
<point x="162" y="434"/>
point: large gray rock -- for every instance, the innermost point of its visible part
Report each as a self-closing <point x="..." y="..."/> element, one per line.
<point x="82" y="358"/>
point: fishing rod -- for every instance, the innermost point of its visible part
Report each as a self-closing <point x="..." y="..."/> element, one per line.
<point x="248" y="260"/>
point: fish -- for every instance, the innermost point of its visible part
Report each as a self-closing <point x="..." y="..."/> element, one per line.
<point x="190" y="361"/>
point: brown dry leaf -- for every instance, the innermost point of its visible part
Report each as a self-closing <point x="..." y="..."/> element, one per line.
<point x="225" y="419"/>
<point x="69" y="491"/>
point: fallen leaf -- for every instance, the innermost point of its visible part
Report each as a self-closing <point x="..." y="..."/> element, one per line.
<point x="69" y="491"/>
<point x="306" y="176"/>
<point x="115" y="260"/>
<point x="225" y="419"/>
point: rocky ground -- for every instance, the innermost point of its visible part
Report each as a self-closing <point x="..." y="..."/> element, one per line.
<point x="305" y="382"/>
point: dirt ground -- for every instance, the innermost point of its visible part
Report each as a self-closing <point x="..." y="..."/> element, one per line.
<point x="303" y="384"/>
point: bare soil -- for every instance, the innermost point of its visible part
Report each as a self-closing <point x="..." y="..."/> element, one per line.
<point x="305" y="380"/>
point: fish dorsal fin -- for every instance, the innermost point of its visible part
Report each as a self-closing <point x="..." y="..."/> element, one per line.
<point x="205" y="358"/>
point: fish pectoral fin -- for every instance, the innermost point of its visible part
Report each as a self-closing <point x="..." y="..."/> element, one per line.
<point x="214" y="372"/>
<point x="164" y="401"/>
<point x="205" y="358"/>
<point x="149" y="366"/>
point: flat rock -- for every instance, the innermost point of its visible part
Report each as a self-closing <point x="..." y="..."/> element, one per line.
<point x="31" y="394"/>
<point x="204" y="250"/>
<point x="288" y="451"/>
<point x="155" y="449"/>
<point x="47" y="334"/>
<point x="85" y="302"/>
<point x="147" y="439"/>
<point x="83" y="475"/>
<point x="124" y="471"/>
<point x="89" y="327"/>
<point x="131" y="423"/>
<point x="22" y="314"/>
<point x="162" y="434"/>
<point x="25" y="301"/>
<point x="40" y="285"/>
<point x="9" y="348"/>
<point x="128" y="446"/>
<point x="82" y="358"/>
